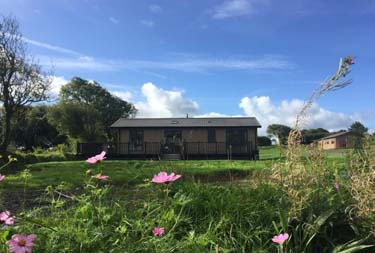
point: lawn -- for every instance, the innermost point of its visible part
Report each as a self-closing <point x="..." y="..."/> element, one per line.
<point x="133" y="172"/>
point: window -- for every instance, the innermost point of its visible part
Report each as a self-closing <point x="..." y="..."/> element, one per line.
<point x="332" y="142"/>
<point x="136" y="140"/>
<point x="211" y="133"/>
<point x="173" y="136"/>
<point x="236" y="136"/>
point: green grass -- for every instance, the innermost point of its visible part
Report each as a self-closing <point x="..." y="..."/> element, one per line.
<point x="131" y="172"/>
<point x="275" y="152"/>
<point x="217" y="206"/>
<point x="271" y="152"/>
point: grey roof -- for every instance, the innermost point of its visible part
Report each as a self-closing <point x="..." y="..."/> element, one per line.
<point x="338" y="134"/>
<point x="187" y="122"/>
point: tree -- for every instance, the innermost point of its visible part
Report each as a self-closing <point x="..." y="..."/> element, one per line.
<point x="22" y="81"/>
<point x="92" y="95"/>
<point x="358" y="127"/>
<point x="78" y="121"/>
<point x="264" y="141"/>
<point x="34" y="130"/>
<point x="281" y="132"/>
<point x="310" y="135"/>
<point x="86" y="110"/>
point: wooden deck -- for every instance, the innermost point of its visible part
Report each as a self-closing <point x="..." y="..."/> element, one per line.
<point x="187" y="150"/>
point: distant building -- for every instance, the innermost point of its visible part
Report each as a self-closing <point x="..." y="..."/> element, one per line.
<point x="340" y="140"/>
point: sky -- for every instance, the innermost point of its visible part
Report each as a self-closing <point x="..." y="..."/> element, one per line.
<point x="204" y="58"/>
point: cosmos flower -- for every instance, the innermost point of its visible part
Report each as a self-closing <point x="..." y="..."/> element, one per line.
<point x="158" y="231"/>
<point x="21" y="243"/>
<point x="163" y="177"/>
<point x="100" y="177"/>
<point x="97" y="158"/>
<point x="280" y="239"/>
<point x="7" y="218"/>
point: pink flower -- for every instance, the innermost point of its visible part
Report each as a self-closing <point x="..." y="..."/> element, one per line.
<point x="6" y="218"/>
<point x="97" y="158"/>
<point x="163" y="177"/>
<point x="280" y="239"/>
<point x="100" y="176"/>
<point x="336" y="185"/>
<point x="349" y="60"/>
<point x="158" y="231"/>
<point x="21" y="243"/>
<point x="2" y="177"/>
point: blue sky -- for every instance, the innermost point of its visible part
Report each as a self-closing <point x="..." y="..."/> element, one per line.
<point x="211" y="57"/>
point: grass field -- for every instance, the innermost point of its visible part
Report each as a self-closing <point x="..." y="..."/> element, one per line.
<point x="217" y="205"/>
<point x="132" y="172"/>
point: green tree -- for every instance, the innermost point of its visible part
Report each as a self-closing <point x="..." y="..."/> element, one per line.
<point x="264" y="141"/>
<point x="90" y="95"/>
<point x="78" y="121"/>
<point x="281" y="132"/>
<point x="358" y="127"/>
<point x="309" y="135"/>
<point x="86" y="110"/>
<point x="22" y="81"/>
<point x="32" y="129"/>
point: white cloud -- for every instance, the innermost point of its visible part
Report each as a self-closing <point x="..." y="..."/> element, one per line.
<point x="212" y="115"/>
<point x="155" y="8"/>
<point x="124" y="95"/>
<point x="114" y="20"/>
<point x="285" y="113"/>
<point x="52" y="47"/>
<point x="83" y="63"/>
<point x="164" y="103"/>
<point x="158" y="102"/>
<point x="56" y="84"/>
<point x="232" y="8"/>
<point x="182" y="62"/>
<point x="147" y="23"/>
<point x="201" y="64"/>
<point x="196" y="64"/>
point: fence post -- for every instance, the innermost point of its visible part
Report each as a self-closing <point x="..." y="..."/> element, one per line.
<point x="145" y="150"/>
<point x="78" y="148"/>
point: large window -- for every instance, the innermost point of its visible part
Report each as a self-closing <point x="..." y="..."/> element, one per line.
<point x="136" y="140"/>
<point x="173" y="136"/>
<point x="236" y="136"/>
<point x="211" y="135"/>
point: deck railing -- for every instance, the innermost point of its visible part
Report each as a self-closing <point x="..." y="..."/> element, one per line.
<point x="156" y="148"/>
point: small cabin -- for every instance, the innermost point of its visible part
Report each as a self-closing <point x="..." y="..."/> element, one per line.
<point x="340" y="140"/>
<point x="185" y="138"/>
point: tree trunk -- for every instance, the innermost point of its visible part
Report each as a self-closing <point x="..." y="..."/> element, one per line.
<point x="6" y="131"/>
<point x="5" y="135"/>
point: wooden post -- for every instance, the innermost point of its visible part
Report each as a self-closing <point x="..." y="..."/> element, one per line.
<point x="118" y="141"/>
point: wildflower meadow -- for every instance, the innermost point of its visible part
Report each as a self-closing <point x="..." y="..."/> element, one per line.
<point x="301" y="201"/>
<point x="298" y="210"/>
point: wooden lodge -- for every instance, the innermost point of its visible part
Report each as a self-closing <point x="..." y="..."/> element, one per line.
<point x="180" y="138"/>
<point x="340" y="140"/>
